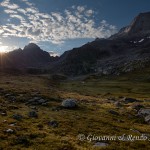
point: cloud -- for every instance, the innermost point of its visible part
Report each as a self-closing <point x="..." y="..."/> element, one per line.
<point x="55" y="27"/>
<point x="7" y="4"/>
<point x="52" y="53"/>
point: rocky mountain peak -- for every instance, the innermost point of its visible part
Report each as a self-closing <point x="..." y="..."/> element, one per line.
<point x="139" y="26"/>
<point x="31" y="47"/>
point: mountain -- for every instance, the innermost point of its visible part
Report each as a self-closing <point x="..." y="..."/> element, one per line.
<point x="123" y="52"/>
<point x="31" y="56"/>
<point x="140" y="26"/>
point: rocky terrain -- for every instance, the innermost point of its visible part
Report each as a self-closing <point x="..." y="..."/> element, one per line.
<point x="123" y="52"/>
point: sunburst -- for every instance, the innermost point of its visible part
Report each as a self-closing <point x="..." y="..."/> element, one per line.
<point x="3" y="49"/>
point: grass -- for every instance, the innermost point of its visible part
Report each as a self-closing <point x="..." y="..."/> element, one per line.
<point x="91" y="117"/>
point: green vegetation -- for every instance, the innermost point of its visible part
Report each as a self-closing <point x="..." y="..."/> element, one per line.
<point x="91" y="117"/>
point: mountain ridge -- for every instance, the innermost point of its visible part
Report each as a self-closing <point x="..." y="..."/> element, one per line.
<point x="123" y="52"/>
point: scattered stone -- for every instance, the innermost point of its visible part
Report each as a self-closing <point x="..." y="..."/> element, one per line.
<point x="147" y="119"/>
<point x="13" y="107"/>
<point x="144" y="112"/>
<point x="33" y="114"/>
<point x="69" y="103"/>
<point x="17" y="117"/>
<point x="137" y="106"/>
<point x="44" y="104"/>
<point x="113" y="112"/>
<point x="4" y="113"/>
<point x="7" y="95"/>
<point x="117" y="104"/>
<point x="33" y="107"/>
<point x="41" y="101"/>
<point x="37" y="101"/>
<point x="9" y="131"/>
<point x="101" y="144"/>
<point x="55" y="108"/>
<point x="12" y="124"/>
<point x="23" y="140"/>
<point x="53" y="123"/>
<point x="134" y="130"/>
<point x="130" y="100"/>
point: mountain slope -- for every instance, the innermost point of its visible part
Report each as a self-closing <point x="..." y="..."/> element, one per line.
<point x="122" y="52"/>
<point x="30" y="56"/>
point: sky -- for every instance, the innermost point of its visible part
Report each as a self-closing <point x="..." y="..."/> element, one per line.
<point x="60" y="25"/>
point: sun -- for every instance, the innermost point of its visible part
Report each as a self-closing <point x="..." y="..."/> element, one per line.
<point x="3" y="49"/>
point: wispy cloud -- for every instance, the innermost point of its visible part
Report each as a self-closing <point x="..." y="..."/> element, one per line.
<point x="55" y="27"/>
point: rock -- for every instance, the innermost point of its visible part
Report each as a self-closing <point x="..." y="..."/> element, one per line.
<point x="100" y="144"/>
<point x="4" y="113"/>
<point x="69" y="103"/>
<point x="147" y="119"/>
<point x="13" y="107"/>
<point x="53" y="123"/>
<point x="17" y="117"/>
<point x="44" y="104"/>
<point x="33" y="107"/>
<point x="41" y="101"/>
<point x="33" y="114"/>
<point x="37" y="101"/>
<point x="12" y="124"/>
<point x="117" y="104"/>
<point x="130" y="100"/>
<point x="55" y="108"/>
<point x="134" y="130"/>
<point x="144" y="112"/>
<point x="22" y="140"/>
<point x="113" y="112"/>
<point x="9" y="131"/>
<point x="8" y="95"/>
<point x="137" y="106"/>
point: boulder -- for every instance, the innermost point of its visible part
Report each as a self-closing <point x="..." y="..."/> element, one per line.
<point x="113" y="112"/>
<point x="53" y="123"/>
<point x="147" y="119"/>
<point x="137" y="106"/>
<point x="130" y="100"/>
<point x="17" y="117"/>
<point x="144" y="112"/>
<point x="33" y="114"/>
<point x="69" y="103"/>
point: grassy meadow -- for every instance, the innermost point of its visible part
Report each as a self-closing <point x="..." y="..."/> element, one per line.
<point x="95" y="96"/>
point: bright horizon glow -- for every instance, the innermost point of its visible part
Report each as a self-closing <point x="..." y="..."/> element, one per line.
<point x="3" y="49"/>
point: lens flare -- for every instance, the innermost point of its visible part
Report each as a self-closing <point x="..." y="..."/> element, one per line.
<point x="3" y="49"/>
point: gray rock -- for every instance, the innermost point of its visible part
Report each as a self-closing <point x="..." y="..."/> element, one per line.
<point x="117" y="104"/>
<point x="113" y="112"/>
<point x="33" y="114"/>
<point x="137" y="106"/>
<point x="37" y="101"/>
<point x="40" y="101"/>
<point x="9" y="131"/>
<point x="22" y="140"/>
<point x="101" y="144"/>
<point x="69" y="103"/>
<point x="147" y="119"/>
<point x="4" y="113"/>
<point x="130" y="100"/>
<point x="17" y="117"/>
<point x="144" y="112"/>
<point x="53" y="123"/>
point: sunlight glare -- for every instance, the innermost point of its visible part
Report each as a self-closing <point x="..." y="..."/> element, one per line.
<point x="3" y="49"/>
